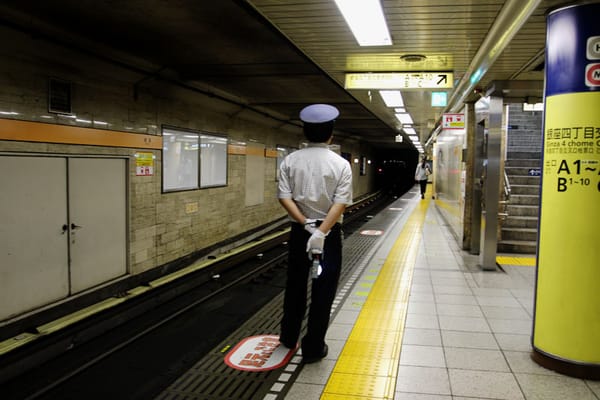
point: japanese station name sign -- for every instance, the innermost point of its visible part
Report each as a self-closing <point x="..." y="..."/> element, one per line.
<point x="400" y="80"/>
<point x="453" y="121"/>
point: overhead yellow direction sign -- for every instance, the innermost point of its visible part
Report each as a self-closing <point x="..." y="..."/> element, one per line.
<point x="400" y="80"/>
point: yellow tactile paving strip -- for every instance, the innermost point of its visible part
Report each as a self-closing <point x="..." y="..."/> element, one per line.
<point x="368" y="364"/>
<point x="528" y="261"/>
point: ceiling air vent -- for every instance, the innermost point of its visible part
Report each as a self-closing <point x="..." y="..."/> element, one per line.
<point x="59" y="96"/>
<point x="413" y="57"/>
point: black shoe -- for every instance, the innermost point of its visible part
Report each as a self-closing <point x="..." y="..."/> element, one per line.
<point x="288" y="343"/>
<point x="422" y="196"/>
<point x="319" y="357"/>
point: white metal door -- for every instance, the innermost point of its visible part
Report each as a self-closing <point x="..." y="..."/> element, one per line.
<point x="97" y="221"/>
<point x="33" y="242"/>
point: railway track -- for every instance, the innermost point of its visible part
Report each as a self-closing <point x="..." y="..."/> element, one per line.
<point x="114" y="354"/>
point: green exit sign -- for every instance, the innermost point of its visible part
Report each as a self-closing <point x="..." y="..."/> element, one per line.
<point x="439" y="99"/>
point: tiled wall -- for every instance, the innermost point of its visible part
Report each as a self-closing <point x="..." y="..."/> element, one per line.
<point x="162" y="226"/>
<point x="525" y="131"/>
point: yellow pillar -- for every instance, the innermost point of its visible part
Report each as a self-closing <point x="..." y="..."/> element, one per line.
<point x="566" y="335"/>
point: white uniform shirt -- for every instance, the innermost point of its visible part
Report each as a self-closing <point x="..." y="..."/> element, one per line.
<point x="315" y="178"/>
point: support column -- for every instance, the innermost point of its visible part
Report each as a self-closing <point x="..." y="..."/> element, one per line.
<point x="491" y="189"/>
<point x="469" y="168"/>
<point x="567" y="306"/>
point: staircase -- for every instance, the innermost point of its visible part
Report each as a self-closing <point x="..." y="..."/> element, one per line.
<point x="520" y="228"/>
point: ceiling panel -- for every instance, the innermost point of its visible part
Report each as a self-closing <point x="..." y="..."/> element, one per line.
<point x="448" y="33"/>
<point x="278" y="55"/>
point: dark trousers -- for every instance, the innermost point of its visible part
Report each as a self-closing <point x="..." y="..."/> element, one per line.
<point x="423" y="184"/>
<point x="323" y="290"/>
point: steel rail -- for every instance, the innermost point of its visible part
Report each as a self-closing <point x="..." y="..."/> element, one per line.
<point x="252" y="273"/>
<point x="356" y="212"/>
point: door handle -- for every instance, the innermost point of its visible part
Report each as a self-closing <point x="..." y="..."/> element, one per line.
<point x="65" y="227"/>
<point x="74" y="226"/>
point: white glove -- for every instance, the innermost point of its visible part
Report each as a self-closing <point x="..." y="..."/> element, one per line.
<point x="315" y="243"/>
<point x="310" y="225"/>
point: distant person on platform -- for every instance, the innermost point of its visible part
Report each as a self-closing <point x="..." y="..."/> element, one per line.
<point x="421" y="174"/>
<point x="315" y="186"/>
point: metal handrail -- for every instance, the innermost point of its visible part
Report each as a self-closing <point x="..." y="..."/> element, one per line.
<point x="502" y="216"/>
<point x="506" y="186"/>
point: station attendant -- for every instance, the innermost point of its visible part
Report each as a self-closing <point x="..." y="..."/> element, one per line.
<point x="315" y="186"/>
<point x="421" y="174"/>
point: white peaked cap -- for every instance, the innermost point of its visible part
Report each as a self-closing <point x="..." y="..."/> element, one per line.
<point x="319" y="113"/>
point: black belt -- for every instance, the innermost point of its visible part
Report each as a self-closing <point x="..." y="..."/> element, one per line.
<point x="318" y="223"/>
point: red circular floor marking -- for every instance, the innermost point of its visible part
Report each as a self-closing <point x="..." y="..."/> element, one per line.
<point x="259" y="353"/>
<point x="371" y="232"/>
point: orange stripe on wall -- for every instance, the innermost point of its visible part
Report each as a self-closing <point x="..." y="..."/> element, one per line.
<point x="271" y="153"/>
<point x="255" y="151"/>
<point x="236" y="149"/>
<point x="28" y="131"/>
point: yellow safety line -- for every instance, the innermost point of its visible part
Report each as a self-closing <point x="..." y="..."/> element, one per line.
<point x="452" y="208"/>
<point x="528" y="261"/>
<point x="368" y="364"/>
<point x="16" y="342"/>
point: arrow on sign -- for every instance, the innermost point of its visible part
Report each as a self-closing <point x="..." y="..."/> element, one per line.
<point x="399" y="80"/>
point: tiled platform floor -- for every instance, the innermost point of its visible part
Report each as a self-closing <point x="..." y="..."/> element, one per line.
<point x="467" y="333"/>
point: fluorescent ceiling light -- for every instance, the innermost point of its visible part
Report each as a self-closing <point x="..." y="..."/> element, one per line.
<point x="414" y="138"/>
<point x="366" y="21"/>
<point x="400" y="110"/>
<point x="409" y="131"/>
<point x="404" y="118"/>
<point x="392" y="98"/>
